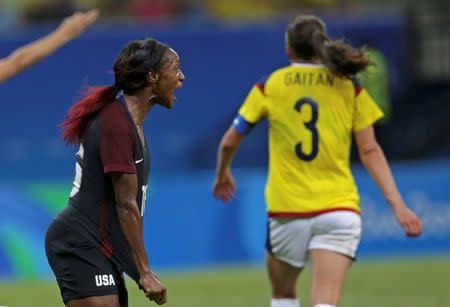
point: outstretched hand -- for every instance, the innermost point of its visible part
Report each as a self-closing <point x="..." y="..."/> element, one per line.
<point x="153" y="289"/>
<point x="409" y="221"/>
<point x="74" y="25"/>
<point x="224" y="188"/>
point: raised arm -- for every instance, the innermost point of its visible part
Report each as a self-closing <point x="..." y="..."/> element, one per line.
<point x="224" y="186"/>
<point x="125" y="189"/>
<point x="25" y="56"/>
<point x="374" y="160"/>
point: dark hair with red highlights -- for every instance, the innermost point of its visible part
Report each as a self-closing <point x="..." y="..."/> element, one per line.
<point x="131" y="67"/>
<point x="307" y="37"/>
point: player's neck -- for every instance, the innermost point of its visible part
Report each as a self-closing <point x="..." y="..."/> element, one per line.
<point x="139" y="106"/>
<point x="314" y="60"/>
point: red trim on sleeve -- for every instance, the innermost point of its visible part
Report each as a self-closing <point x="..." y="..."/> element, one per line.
<point x="310" y="213"/>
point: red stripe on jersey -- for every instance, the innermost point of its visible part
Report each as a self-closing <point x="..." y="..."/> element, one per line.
<point x="358" y="89"/>
<point x="105" y="247"/>
<point x="260" y="86"/>
<point x="357" y="86"/>
<point x="310" y="213"/>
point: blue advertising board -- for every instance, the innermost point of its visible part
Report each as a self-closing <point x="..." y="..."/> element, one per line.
<point x="186" y="227"/>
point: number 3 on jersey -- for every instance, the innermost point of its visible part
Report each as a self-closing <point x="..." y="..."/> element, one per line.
<point x="311" y="126"/>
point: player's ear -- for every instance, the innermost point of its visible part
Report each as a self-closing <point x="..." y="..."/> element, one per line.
<point x="290" y="53"/>
<point x="152" y="77"/>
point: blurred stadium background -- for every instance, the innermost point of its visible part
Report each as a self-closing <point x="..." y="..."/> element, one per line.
<point x="210" y="254"/>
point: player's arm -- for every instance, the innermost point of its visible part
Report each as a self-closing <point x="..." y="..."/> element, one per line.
<point x="373" y="158"/>
<point x="27" y="55"/>
<point x="224" y="186"/>
<point x="125" y="189"/>
<point x="251" y="111"/>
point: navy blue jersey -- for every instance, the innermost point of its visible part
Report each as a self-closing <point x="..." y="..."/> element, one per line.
<point x="110" y="144"/>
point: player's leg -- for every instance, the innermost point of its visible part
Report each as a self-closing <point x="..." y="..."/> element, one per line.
<point x="333" y="245"/>
<point x="283" y="280"/>
<point x="328" y="273"/>
<point x="95" y="301"/>
<point x="287" y="249"/>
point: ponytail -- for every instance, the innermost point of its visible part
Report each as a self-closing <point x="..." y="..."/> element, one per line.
<point x="341" y="59"/>
<point x="82" y="112"/>
<point x="307" y="37"/>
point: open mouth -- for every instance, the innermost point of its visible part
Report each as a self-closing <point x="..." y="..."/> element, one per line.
<point x="173" y="93"/>
<point x="174" y="98"/>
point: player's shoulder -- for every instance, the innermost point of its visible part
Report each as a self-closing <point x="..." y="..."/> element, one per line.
<point x="279" y="73"/>
<point x="267" y="82"/>
<point x="113" y="116"/>
<point x="356" y="84"/>
<point x="114" y="110"/>
<point x="347" y="87"/>
<point x="112" y="107"/>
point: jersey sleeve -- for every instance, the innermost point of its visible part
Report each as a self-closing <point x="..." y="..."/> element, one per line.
<point x="117" y="145"/>
<point x="367" y="111"/>
<point x="252" y="110"/>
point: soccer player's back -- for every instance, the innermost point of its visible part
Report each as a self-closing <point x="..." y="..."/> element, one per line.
<point x="311" y="114"/>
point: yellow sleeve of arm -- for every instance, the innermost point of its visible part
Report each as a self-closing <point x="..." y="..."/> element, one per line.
<point x="367" y="111"/>
<point x="253" y="109"/>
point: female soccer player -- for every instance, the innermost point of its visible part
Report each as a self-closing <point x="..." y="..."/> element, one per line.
<point x="98" y="236"/>
<point x="313" y="107"/>
<point x="27" y="55"/>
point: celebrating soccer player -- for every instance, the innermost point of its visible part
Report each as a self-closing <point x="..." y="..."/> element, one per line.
<point x="98" y="236"/>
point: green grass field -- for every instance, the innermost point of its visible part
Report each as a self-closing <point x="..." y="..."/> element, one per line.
<point x="400" y="283"/>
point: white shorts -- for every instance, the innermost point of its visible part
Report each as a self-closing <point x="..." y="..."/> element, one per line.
<point x="290" y="239"/>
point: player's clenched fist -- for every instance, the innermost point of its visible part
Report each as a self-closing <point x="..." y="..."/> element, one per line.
<point x="153" y="288"/>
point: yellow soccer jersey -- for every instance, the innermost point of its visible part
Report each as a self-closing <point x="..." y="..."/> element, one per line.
<point x="311" y="115"/>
